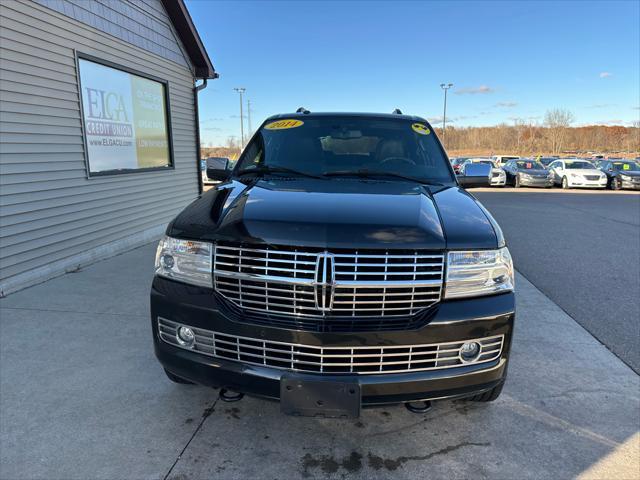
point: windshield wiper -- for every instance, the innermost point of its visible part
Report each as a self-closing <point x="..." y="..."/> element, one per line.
<point x="263" y="170"/>
<point x="363" y="173"/>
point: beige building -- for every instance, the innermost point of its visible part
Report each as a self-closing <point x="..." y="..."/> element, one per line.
<point x="98" y="129"/>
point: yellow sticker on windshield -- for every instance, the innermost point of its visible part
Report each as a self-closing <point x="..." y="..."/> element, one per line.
<point x="626" y="166"/>
<point x="420" y="128"/>
<point x="284" y="124"/>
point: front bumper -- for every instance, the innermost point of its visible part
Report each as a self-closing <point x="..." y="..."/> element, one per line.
<point x="498" y="181"/>
<point x="630" y="184"/>
<point x="536" y="182"/>
<point x="584" y="183"/>
<point x="454" y="321"/>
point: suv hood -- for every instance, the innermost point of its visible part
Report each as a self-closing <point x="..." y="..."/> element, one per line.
<point x="630" y="173"/>
<point x="338" y="213"/>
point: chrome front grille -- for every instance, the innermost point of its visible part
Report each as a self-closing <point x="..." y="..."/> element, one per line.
<point x="311" y="358"/>
<point x="297" y="282"/>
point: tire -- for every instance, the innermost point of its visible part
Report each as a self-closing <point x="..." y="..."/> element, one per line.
<point x="488" y="396"/>
<point x="177" y="379"/>
<point x="516" y="181"/>
<point x="565" y="183"/>
<point x="615" y="184"/>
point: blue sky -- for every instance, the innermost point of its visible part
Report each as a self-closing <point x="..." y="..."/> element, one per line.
<point x="506" y="59"/>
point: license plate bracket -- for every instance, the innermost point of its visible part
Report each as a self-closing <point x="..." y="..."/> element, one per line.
<point x="319" y="397"/>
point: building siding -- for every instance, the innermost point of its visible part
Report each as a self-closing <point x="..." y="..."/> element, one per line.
<point x="52" y="217"/>
<point x="143" y="23"/>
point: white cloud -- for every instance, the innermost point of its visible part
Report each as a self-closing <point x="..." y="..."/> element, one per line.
<point x="438" y="119"/>
<point x="506" y="104"/>
<point x="609" y="123"/>
<point x="605" y="74"/>
<point x="474" y="90"/>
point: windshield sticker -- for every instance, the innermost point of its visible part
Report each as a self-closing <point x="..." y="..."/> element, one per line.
<point x="626" y="166"/>
<point x="420" y="128"/>
<point x="284" y="124"/>
<point x="529" y="165"/>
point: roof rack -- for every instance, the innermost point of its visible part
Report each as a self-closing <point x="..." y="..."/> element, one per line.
<point x="302" y="110"/>
<point x="397" y="111"/>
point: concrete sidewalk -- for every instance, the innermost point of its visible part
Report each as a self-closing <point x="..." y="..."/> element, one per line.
<point x="82" y="396"/>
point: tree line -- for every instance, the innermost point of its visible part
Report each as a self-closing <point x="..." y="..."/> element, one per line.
<point x="554" y="136"/>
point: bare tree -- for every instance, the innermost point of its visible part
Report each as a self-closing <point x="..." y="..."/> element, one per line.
<point x="232" y="142"/>
<point x="557" y="121"/>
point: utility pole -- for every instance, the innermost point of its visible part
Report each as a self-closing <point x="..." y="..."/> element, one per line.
<point x="249" y="118"/>
<point x="445" y="87"/>
<point x="241" y="90"/>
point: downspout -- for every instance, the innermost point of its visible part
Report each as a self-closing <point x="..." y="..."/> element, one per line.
<point x="196" y="89"/>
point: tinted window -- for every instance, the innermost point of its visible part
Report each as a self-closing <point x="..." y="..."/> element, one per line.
<point x="626" y="166"/>
<point x="319" y="145"/>
<point x="529" y="165"/>
<point x="578" y="165"/>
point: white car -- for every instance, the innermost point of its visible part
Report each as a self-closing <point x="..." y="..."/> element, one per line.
<point x="500" y="160"/>
<point x="577" y="173"/>
<point x="498" y="175"/>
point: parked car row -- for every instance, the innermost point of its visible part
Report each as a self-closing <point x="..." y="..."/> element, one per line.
<point x="548" y="172"/>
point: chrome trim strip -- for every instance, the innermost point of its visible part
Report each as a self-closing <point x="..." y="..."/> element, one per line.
<point x="250" y="282"/>
<point x="301" y="354"/>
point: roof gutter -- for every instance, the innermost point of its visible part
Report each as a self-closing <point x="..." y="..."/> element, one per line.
<point x="196" y="89"/>
<point x="182" y="22"/>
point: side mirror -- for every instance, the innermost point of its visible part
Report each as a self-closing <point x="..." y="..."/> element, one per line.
<point x="218" y="169"/>
<point x="475" y="175"/>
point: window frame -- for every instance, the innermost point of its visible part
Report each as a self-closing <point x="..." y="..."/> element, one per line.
<point x="116" y="66"/>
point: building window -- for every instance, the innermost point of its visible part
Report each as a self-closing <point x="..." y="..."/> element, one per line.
<point x="125" y="119"/>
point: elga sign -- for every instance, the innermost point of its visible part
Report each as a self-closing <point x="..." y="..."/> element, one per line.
<point x="125" y="119"/>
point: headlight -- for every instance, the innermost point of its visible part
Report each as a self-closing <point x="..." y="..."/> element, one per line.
<point x="184" y="260"/>
<point x="470" y="274"/>
<point x="575" y="175"/>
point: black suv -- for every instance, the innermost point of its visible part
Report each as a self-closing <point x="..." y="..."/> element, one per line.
<point x="339" y="264"/>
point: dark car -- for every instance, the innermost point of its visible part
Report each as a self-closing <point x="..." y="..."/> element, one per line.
<point x="339" y="264"/>
<point x="621" y="174"/>
<point x="457" y="162"/>
<point x="545" y="161"/>
<point x="527" y="173"/>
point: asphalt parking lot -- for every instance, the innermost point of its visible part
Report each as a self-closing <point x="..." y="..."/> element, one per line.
<point x="82" y="396"/>
<point x="581" y="248"/>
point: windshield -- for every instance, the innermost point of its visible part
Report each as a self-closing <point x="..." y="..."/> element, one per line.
<point x="578" y="165"/>
<point x="341" y="144"/>
<point x="626" y="166"/>
<point x="529" y="165"/>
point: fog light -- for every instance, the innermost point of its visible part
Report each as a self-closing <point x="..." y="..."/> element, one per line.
<point x="470" y="351"/>
<point x="185" y="336"/>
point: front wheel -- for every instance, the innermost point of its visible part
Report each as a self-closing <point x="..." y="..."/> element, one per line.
<point x="565" y="183"/>
<point x="488" y="396"/>
<point x="615" y="184"/>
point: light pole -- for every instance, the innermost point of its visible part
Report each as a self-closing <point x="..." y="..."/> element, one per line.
<point x="445" y="87"/>
<point x="248" y="118"/>
<point x="241" y="90"/>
